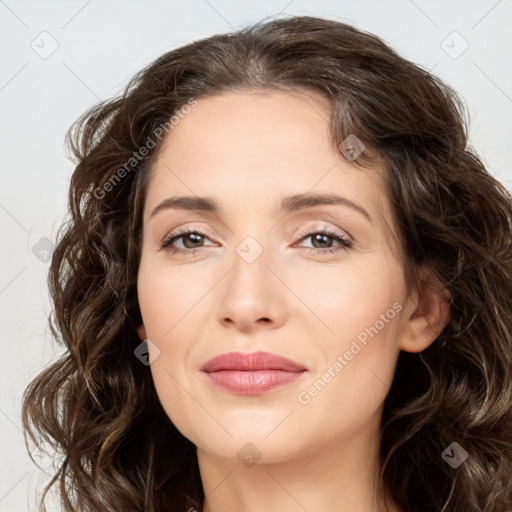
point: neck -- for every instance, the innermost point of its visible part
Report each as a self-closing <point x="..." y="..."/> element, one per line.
<point x="339" y="477"/>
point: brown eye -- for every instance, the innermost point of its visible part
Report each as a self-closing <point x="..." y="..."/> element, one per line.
<point x="322" y="241"/>
<point x="191" y="239"/>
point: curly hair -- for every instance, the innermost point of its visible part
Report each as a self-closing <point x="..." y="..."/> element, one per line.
<point x="96" y="405"/>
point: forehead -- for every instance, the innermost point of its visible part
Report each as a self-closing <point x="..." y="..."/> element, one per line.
<point x="248" y="149"/>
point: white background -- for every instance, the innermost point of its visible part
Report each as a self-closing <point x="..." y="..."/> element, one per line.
<point x="101" y="44"/>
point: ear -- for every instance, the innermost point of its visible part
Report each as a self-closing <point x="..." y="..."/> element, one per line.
<point x="141" y="331"/>
<point x="428" y="311"/>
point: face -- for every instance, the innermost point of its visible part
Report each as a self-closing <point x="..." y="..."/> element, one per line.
<point x="317" y="284"/>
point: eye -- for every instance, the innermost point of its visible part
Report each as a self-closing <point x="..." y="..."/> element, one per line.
<point x="193" y="240"/>
<point x="189" y="237"/>
<point x="323" y="238"/>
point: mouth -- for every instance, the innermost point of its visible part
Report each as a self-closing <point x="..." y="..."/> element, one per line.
<point x="252" y="374"/>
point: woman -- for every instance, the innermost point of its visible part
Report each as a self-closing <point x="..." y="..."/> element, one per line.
<point x="285" y="284"/>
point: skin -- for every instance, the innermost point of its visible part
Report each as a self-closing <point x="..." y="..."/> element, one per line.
<point x="248" y="150"/>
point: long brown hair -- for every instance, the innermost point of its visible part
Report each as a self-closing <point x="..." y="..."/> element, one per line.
<point x="96" y="405"/>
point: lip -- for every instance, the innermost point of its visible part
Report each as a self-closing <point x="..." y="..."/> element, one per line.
<point x="253" y="373"/>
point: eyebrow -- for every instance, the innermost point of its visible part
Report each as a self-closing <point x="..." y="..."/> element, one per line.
<point x="288" y="204"/>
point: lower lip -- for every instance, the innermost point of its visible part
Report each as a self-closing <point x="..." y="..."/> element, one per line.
<point x="253" y="382"/>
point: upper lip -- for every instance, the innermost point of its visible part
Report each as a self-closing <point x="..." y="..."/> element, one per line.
<point x="250" y="362"/>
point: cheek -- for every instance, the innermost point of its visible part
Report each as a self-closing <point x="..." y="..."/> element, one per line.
<point x="345" y="299"/>
<point x="162" y="310"/>
<point x="356" y="341"/>
<point x="352" y="377"/>
<point x="167" y="297"/>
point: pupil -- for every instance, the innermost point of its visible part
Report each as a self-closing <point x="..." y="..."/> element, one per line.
<point x="319" y="238"/>
<point x="192" y="235"/>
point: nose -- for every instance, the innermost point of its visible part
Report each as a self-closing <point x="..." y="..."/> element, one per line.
<point x="252" y="297"/>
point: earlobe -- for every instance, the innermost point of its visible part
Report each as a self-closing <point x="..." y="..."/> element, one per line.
<point x="429" y="317"/>
<point x="141" y="331"/>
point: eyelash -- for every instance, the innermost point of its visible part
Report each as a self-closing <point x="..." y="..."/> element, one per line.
<point x="344" y="243"/>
